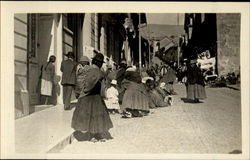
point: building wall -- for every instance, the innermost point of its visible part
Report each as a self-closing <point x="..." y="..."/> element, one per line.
<point x="228" y="35"/>
<point x="20" y="55"/>
<point x="89" y="34"/>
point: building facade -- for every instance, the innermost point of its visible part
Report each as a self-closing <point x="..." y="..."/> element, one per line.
<point x="38" y="36"/>
<point x="218" y="33"/>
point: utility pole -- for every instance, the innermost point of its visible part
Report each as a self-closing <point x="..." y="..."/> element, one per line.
<point x="139" y="42"/>
<point x="148" y="53"/>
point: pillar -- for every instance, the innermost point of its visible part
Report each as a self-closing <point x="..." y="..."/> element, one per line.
<point x="59" y="53"/>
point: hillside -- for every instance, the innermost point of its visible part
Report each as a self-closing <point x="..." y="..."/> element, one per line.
<point x="158" y="31"/>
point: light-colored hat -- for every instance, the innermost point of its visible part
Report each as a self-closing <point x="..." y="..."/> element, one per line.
<point x="162" y="84"/>
<point x="144" y="79"/>
<point x="84" y="59"/>
<point x="109" y="66"/>
<point x="114" y="82"/>
<point x="123" y="62"/>
<point x="133" y="69"/>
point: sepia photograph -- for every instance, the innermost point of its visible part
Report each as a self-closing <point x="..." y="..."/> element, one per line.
<point x="90" y="83"/>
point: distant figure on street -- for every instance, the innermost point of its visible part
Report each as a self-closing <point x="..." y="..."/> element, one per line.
<point x="81" y="70"/>
<point x="163" y="70"/>
<point x="91" y="114"/>
<point x="47" y="78"/>
<point x="195" y="83"/>
<point x="169" y="79"/>
<point x="68" y="69"/>
<point x="120" y="75"/>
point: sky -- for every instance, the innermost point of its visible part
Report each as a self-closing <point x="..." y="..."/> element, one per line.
<point x="165" y="18"/>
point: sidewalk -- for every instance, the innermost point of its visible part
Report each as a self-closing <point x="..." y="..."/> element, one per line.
<point x="43" y="131"/>
<point x="235" y="86"/>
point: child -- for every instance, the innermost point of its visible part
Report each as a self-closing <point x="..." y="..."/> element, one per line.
<point x="111" y="100"/>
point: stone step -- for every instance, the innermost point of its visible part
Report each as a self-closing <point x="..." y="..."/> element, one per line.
<point x="44" y="131"/>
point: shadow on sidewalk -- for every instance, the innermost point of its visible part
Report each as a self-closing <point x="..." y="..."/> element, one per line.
<point x="80" y="136"/>
<point x="236" y="152"/>
<point x="185" y="100"/>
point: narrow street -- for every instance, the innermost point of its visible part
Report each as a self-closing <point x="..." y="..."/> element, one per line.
<point x="210" y="127"/>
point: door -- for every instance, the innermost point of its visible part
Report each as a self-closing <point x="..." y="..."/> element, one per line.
<point x="67" y="40"/>
<point x="33" y="65"/>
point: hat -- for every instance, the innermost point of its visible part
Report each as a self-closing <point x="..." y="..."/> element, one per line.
<point x="144" y="79"/>
<point x="99" y="57"/>
<point x="132" y="68"/>
<point x="123" y="62"/>
<point x="109" y="66"/>
<point x="162" y="84"/>
<point x="84" y="59"/>
<point x="95" y="51"/>
<point x="70" y="54"/>
<point x="114" y="82"/>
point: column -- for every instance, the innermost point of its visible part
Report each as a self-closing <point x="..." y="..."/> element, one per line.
<point x="59" y="54"/>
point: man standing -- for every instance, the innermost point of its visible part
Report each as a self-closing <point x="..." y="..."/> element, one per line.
<point x="68" y="69"/>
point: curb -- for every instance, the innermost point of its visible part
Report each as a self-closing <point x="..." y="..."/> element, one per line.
<point x="234" y="88"/>
<point x="60" y="144"/>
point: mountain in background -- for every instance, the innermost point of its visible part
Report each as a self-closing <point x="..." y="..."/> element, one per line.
<point x="160" y="31"/>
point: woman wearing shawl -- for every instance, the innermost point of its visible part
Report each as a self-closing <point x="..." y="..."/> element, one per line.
<point x="81" y="70"/>
<point x="91" y="115"/>
<point x="195" y="83"/>
<point x="47" y="81"/>
<point x="135" y="99"/>
<point x="156" y="97"/>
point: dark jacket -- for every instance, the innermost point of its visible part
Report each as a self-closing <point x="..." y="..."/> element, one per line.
<point x="68" y="68"/>
<point x="120" y="75"/>
<point x="194" y="76"/>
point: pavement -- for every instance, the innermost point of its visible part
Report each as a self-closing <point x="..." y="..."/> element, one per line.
<point x="43" y="131"/>
<point x="213" y="126"/>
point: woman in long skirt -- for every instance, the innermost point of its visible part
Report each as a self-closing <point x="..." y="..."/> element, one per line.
<point x="195" y="83"/>
<point x="135" y="99"/>
<point x="91" y="114"/>
<point x="47" y="78"/>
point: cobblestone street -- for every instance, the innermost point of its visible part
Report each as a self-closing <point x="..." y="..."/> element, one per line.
<point x="213" y="126"/>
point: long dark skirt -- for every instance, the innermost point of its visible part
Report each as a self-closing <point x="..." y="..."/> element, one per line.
<point x="135" y="99"/>
<point x="196" y="91"/>
<point x="91" y="115"/>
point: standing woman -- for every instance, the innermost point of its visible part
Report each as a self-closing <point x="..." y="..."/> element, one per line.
<point x="195" y="83"/>
<point x="91" y="114"/>
<point x="48" y="73"/>
<point x="81" y="70"/>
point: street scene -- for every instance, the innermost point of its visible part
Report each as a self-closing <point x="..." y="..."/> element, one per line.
<point x="213" y="126"/>
<point x="128" y="83"/>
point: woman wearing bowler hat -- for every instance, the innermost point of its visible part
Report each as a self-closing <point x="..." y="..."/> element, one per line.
<point x="195" y="83"/>
<point x="90" y="115"/>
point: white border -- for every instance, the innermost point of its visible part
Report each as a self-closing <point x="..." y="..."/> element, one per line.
<point x="7" y="64"/>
